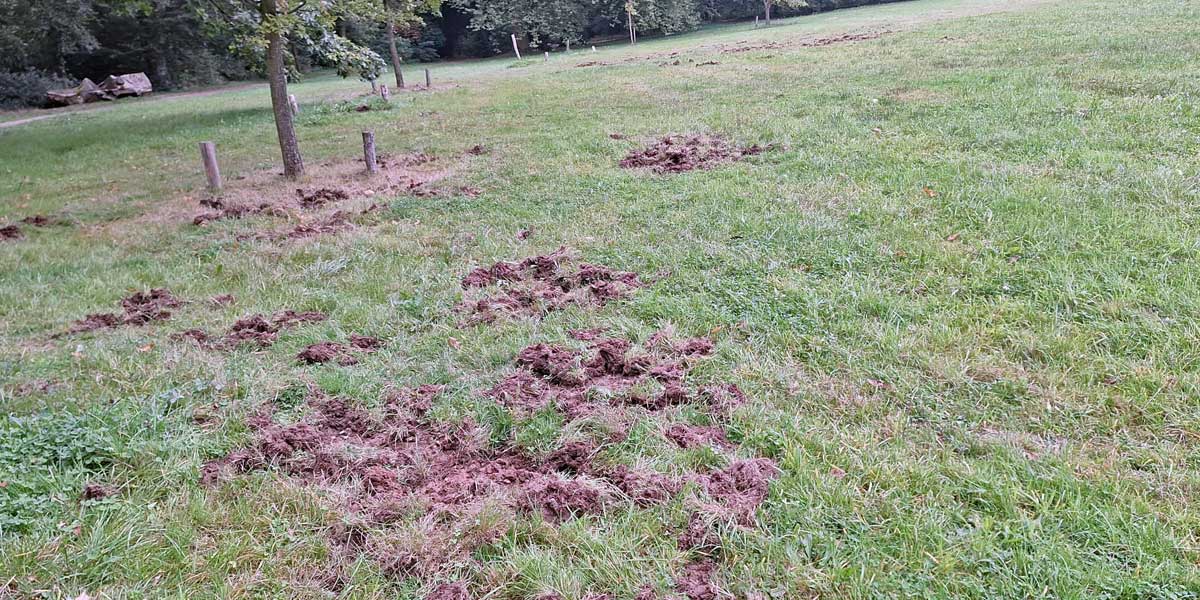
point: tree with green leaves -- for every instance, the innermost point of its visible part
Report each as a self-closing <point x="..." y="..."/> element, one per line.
<point x="403" y="14"/>
<point x="768" y="4"/>
<point x="265" y="30"/>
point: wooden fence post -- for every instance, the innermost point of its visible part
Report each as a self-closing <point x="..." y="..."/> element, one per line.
<point x="384" y="92"/>
<point x="369" y="152"/>
<point x="208" y="153"/>
<point x="293" y="104"/>
<point x="428" y="79"/>
<point x="546" y="58"/>
<point x="515" y="49"/>
<point x="568" y="46"/>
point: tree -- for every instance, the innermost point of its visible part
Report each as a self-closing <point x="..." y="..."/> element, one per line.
<point x="403" y="14"/>
<point x="767" y="4"/>
<point x="264" y="30"/>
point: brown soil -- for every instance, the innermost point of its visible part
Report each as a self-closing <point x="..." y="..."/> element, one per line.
<point x="541" y="284"/>
<point x="679" y="153"/>
<point x="398" y="465"/>
<point x="97" y="491"/>
<point x="320" y="196"/>
<point x="696" y="581"/>
<point x="137" y="309"/>
<point x="39" y="221"/>
<point x="222" y="300"/>
<point x="254" y="330"/>
<point x="343" y="354"/>
<point x="10" y="232"/>
<point x="449" y="591"/>
<point x="806" y="43"/>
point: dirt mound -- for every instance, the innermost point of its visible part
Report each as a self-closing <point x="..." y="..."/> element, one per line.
<point x="679" y="153"/>
<point x="397" y="466"/>
<point x="39" y="221"/>
<point x="320" y="196"/>
<point x="811" y="43"/>
<point x="696" y="581"/>
<point x="540" y="284"/>
<point x="10" y="232"/>
<point x="343" y="354"/>
<point x="254" y="330"/>
<point x="138" y="309"/>
<point x="235" y="212"/>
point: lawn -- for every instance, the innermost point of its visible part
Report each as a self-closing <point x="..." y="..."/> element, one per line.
<point x="959" y="291"/>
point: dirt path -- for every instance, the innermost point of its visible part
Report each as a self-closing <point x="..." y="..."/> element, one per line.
<point x="51" y="113"/>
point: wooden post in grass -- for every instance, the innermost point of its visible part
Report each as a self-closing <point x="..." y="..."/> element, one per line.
<point x="593" y="48"/>
<point x="208" y="153"/>
<point x="756" y="21"/>
<point x="384" y="92"/>
<point x="293" y="104"/>
<point x="369" y="152"/>
<point x="546" y="58"/>
<point x="568" y="46"/>
<point x="428" y="80"/>
<point x="516" y="50"/>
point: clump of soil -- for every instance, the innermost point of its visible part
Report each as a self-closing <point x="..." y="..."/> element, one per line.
<point x="696" y="581"/>
<point x="254" y="330"/>
<point x="398" y="465"/>
<point x="343" y="354"/>
<point x="222" y="300"/>
<point x="138" y="309"/>
<point x="449" y="591"/>
<point x="679" y="153"/>
<point x="320" y="196"/>
<point x="693" y="436"/>
<point x="97" y="491"/>
<point x="39" y="221"/>
<point x="236" y="212"/>
<point x="540" y="284"/>
<point x="10" y="232"/>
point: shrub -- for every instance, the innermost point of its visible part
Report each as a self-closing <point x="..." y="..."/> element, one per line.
<point x="24" y="89"/>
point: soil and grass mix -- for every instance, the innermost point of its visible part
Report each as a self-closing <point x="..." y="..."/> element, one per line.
<point x="938" y="342"/>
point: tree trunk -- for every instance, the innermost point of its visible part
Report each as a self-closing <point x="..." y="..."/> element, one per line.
<point x="767" y="9"/>
<point x="285" y="127"/>
<point x="391" y="40"/>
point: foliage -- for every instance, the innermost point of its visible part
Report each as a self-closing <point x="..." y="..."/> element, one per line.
<point x="28" y="88"/>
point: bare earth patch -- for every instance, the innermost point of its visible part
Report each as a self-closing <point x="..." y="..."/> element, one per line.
<point x="418" y="493"/>
<point x="678" y="153"/>
<point x="540" y="284"/>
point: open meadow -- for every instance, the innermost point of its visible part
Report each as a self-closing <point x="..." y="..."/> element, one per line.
<point x="908" y="309"/>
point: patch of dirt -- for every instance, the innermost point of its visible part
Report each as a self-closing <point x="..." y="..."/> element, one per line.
<point x="694" y="436"/>
<point x="398" y="466"/>
<point x="139" y="308"/>
<point x="696" y="581"/>
<point x="320" y="196"/>
<point x="97" y="491"/>
<point x="805" y="43"/>
<point x="254" y="330"/>
<point x="343" y="354"/>
<point x="677" y="153"/>
<point x="449" y="591"/>
<point x="40" y="221"/>
<point x="10" y="232"/>
<point x="541" y="284"/>
<point x="592" y="63"/>
<point x="222" y="300"/>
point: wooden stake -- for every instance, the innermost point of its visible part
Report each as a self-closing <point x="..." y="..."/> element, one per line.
<point x="568" y="46"/>
<point x="756" y="21"/>
<point x="384" y="93"/>
<point x="292" y="103"/>
<point x="593" y="48"/>
<point x="369" y="152"/>
<point x="546" y="58"/>
<point x="374" y="87"/>
<point x="516" y="50"/>
<point x="208" y="153"/>
<point x="428" y="79"/>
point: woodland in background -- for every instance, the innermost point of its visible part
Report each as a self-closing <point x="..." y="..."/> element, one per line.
<point x="47" y="44"/>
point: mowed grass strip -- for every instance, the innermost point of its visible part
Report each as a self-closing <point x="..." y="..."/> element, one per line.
<point x="962" y="297"/>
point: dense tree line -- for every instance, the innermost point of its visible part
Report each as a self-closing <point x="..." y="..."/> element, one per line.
<point x="182" y="43"/>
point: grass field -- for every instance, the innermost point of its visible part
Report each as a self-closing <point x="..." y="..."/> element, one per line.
<point x="961" y="297"/>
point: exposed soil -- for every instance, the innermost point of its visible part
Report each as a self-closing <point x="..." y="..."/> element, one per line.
<point x="236" y="212"/>
<point x="320" y="196"/>
<point x="805" y="43"/>
<point x="138" y="309"/>
<point x="343" y="354"/>
<point x="398" y="465"/>
<point x="678" y="153"/>
<point x="39" y="221"/>
<point x="696" y="581"/>
<point x="254" y="330"/>
<point x="541" y="284"/>
<point x="10" y="232"/>
<point x="222" y="300"/>
<point x="97" y="491"/>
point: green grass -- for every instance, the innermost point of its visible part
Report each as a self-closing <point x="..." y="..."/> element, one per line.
<point x="1007" y="369"/>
